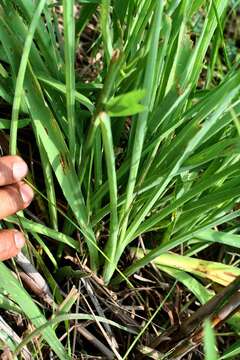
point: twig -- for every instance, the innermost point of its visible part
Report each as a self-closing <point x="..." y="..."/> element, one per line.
<point x="98" y="344"/>
<point x="34" y="279"/>
<point x="103" y="331"/>
<point x="99" y="310"/>
<point x="177" y="341"/>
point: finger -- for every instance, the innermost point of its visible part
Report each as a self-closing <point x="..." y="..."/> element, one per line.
<point x="11" y="242"/>
<point x="12" y="169"/>
<point x="14" y="198"/>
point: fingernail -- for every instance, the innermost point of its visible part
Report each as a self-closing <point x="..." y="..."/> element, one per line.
<point x="19" y="240"/>
<point x="20" y="170"/>
<point x="26" y="193"/>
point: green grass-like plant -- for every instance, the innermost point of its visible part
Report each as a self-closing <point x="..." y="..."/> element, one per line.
<point x="150" y="147"/>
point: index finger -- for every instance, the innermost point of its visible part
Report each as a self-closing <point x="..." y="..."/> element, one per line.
<point x="12" y="169"/>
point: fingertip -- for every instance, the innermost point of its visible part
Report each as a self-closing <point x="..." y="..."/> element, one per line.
<point x="20" y="169"/>
<point x="11" y="242"/>
<point x="14" y="198"/>
<point x="26" y="192"/>
<point x="19" y="239"/>
<point x="12" y="169"/>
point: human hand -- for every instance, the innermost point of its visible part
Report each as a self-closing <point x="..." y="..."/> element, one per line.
<point x="15" y="195"/>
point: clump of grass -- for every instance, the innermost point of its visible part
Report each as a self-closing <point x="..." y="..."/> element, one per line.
<point x="149" y="149"/>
